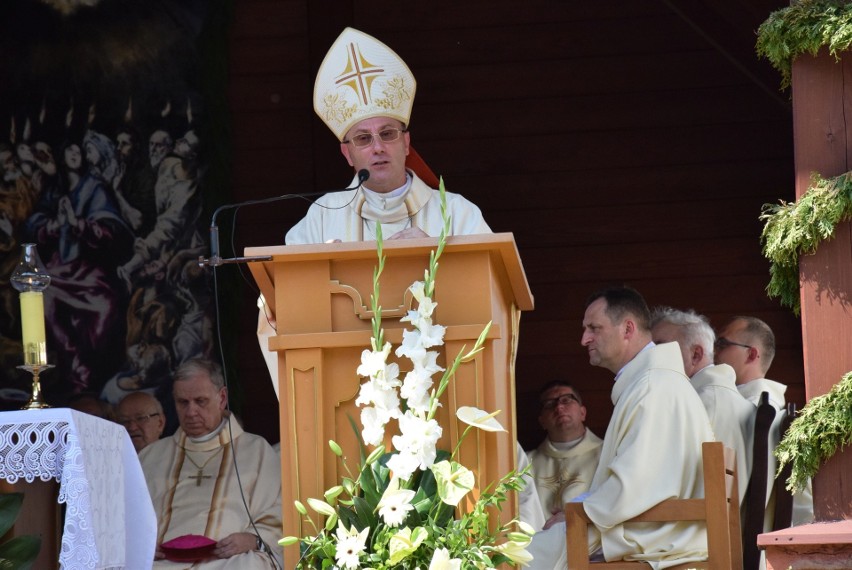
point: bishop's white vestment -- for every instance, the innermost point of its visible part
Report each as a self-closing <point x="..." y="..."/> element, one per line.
<point x="352" y="216"/>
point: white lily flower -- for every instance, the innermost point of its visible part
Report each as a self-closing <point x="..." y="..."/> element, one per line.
<point x="479" y="418"/>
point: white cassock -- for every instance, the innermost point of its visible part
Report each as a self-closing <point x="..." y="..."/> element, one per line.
<point x="352" y="216"/>
<point x="731" y="415"/>
<point x="529" y="507"/>
<point x="560" y="475"/>
<point x="651" y="452"/>
<point x="204" y="497"/>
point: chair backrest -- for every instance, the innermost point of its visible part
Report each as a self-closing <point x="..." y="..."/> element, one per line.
<point x="754" y="502"/>
<point x="719" y="509"/>
<point x="783" y="497"/>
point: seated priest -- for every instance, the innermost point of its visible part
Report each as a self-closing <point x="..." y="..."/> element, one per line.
<point x="195" y="485"/>
<point x="651" y="450"/>
<point x="565" y="462"/>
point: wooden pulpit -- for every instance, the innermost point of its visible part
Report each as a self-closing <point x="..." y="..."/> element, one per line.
<point x="320" y="295"/>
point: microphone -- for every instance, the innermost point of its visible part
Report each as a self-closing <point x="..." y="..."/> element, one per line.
<point x="214" y="260"/>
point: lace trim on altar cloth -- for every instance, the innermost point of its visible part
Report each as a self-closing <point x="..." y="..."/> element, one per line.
<point x="92" y="479"/>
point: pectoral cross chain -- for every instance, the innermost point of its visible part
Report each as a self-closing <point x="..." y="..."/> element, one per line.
<point x="200" y="474"/>
<point x="198" y="477"/>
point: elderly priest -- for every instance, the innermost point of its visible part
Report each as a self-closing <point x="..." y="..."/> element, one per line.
<point x="203" y="516"/>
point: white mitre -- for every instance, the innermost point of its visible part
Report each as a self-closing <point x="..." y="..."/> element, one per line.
<point x="361" y="78"/>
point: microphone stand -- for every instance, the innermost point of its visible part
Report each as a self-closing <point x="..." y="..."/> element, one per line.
<point x="215" y="260"/>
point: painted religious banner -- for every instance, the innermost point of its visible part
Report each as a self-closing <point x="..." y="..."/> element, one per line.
<point x="102" y="147"/>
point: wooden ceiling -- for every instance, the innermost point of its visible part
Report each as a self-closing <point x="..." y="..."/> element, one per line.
<point x="629" y="141"/>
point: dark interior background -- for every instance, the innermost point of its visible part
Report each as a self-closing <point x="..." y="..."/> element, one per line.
<point x="620" y="141"/>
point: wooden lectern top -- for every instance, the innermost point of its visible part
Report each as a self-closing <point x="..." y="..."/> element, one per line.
<point x="501" y="245"/>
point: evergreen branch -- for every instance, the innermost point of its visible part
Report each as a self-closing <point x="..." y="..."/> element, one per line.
<point x="793" y="229"/>
<point x="804" y="27"/>
<point x="822" y="428"/>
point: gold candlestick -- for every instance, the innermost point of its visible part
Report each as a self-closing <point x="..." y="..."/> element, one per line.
<point x="31" y="279"/>
<point x="36" y="402"/>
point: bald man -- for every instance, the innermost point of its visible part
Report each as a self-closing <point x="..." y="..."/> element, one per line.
<point x="142" y="416"/>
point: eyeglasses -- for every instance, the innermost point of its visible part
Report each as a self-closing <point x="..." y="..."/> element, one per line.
<point x="723" y="343"/>
<point x="562" y="400"/>
<point x="366" y="139"/>
<point x="138" y="420"/>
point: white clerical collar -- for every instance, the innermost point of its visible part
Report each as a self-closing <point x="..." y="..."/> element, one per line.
<point x="212" y="434"/>
<point x="646" y="347"/>
<point x="373" y="196"/>
<point x="711" y="365"/>
<point x="566" y="445"/>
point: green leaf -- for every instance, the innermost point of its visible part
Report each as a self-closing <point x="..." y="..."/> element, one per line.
<point x="21" y="551"/>
<point x="10" y="506"/>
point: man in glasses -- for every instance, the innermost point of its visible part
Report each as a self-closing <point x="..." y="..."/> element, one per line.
<point x="651" y="450"/>
<point x="747" y="344"/>
<point x="564" y="463"/>
<point x="142" y="416"/>
<point x="364" y="93"/>
<point x="731" y="415"/>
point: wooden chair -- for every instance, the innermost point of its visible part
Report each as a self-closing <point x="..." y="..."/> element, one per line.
<point x="754" y="502"/>
<point x="784" y="498"/>
<point x="719" y="509"/>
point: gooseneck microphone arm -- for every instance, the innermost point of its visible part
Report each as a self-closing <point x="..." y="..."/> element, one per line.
<point x="215" y="260"/>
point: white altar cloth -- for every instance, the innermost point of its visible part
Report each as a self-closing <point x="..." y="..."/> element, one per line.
<point x="109" y="519"/>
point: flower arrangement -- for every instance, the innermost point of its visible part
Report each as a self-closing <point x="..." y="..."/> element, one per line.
<point x="399" y="509"/>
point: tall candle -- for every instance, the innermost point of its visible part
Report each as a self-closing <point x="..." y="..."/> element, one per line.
<point x="32" y="328"/>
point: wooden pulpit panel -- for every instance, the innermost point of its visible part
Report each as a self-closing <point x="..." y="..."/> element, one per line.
<point x="321" y="299"/>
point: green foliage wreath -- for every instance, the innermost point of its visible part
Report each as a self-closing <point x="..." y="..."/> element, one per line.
<point x="792" y="229"/>
<point x="804" y="27"/>
<point x="822" y="428"/>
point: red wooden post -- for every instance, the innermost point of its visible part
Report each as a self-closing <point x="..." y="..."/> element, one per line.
<point x="822" y="112"/>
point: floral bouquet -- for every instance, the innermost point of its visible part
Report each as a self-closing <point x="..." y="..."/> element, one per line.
<point x="399" y="509"/>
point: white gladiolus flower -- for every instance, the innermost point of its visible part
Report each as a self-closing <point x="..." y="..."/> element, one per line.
<point x="418" y="437"/>
<point x="373" y="430"/>
<point x="394" y="505"/>
<point x="415" y="390"/>
<point x="373" y="361"/>
<point x="403" y="464"/>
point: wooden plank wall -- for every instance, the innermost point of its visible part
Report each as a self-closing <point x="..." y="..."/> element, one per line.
<point x="619" y="140"/>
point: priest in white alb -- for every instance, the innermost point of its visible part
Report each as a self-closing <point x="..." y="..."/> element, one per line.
<point x="211" y="482"/>
<point x="652" y="448"/>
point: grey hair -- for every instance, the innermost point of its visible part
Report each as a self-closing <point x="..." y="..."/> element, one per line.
<point x="200" y="366"/>
<point x="694" y="328"/>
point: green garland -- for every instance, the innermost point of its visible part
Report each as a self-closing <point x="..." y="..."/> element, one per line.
<point x="822" y="428"/>
<point x="804" y="27"/>
<point x="797" y="228"/>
